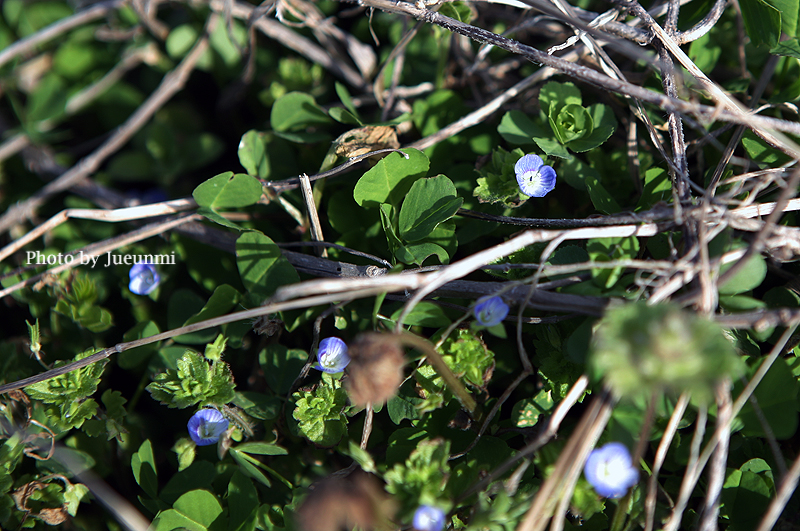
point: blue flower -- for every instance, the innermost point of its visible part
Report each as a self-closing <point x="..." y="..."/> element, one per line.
<point x="428" y="518"/>
<point x="610" y="471"/>
<point x="144" y="279"/>
<point x="490" y="311"/>
<point x="206" y="426"/>
<point x="534" y="179"/>
<point x="332" y="355"/>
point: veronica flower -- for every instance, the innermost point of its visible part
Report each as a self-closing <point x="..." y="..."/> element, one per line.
<point x="144" y="278"/>
<point x="206" y="426"/>
<point x="534" y="178"/>
<point x="490" y="311"/>
<point x="332" y="355"/>
<point x="610" y="471"/>
<point x="428" y="518"/>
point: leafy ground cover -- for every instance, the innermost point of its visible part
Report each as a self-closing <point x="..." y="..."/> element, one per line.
<point x="319" y="265"/>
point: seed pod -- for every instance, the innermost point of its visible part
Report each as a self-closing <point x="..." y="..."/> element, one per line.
<point x="338" y="503"/>
<point x="376" y="368"/>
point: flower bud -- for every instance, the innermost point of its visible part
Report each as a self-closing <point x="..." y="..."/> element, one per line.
<point x="376" y="368"/>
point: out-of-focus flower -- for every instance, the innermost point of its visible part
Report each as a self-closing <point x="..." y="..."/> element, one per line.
<point x="144" y="279"/>
<point x="490" y="311"/>
<point x="206" y="426"/>
<point x="332" y="355"/>
<point x="534" y="178"/>
<point x="376" y="371"/>
<point x="428" y="518"/>
<point x="610" y="471"/>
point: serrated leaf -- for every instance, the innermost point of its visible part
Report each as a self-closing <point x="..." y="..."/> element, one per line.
<point x="227" y="190"/>
<point x="195" y="381"/>
<point x="391" y="178"/>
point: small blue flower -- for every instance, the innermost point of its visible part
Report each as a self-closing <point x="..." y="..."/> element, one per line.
<point x="144" y="279"/>
<point x="332" y="355"/>
<point x="610" y="471"/>
<point x="534" y="179"/>
<point x="428" y="518"/>
<point x="490" y="311"/>
<point x="206" y="426"/>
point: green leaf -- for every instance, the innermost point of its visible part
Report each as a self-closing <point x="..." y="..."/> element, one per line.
<point x="143" y="464"/>
<point x="194" y="511"/>
<point x="526" y="412"/>
<point x="657" y="187"/>
<point x="789" y="10"/>
<point x="214" y="216"/>
<point x="242" y="502"/>
<point x="221" y="302"/>
<point x="517" y="128"/>
<point x="745" y="497"/>
<point x="762" y="22"/>
<point x="74" y="493"/>
<point x="705" y="52"/>
<point x="748" y="277"/>
<point x="468" y="357"/>
<point x="227" y="190"/>
<point x="133" y="357"/>
<point x="253" y="154"/>
<point x="281" y="366"/>
<point x="429" y="202"/>
<point x="601" y="199"/>
<point x="424" y="314"/>
<point x="417" y="253"/>
<point x="497" y="182"/>
<point x="571" y="123"/>
<point x="777" y="398"/>
<point x="262" y="267"/>
<point x="392" y="240"/>
<point x="250" y="466"/>
<point x="344" y="97"/>
<point x="195" y="381"/>
<point x="422" y="478"/>
<point x="295" y="111"/>
<point x="554" y="96"/>
<point x="457" y="10"/>
<point x="262" y="448"/>
<point x="180" y="40"/>
<point x="391" y="178"/>
<point x="607" y="249"/>
<point x="320" y="412"/>
<point x="787" y="48"/>
<point x="603" y="123"/>
<point x="552" y="147"/>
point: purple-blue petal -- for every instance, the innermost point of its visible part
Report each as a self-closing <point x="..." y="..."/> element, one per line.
<point x="490" y="311"/>
<point x="528" y="163"/>
<point x="206" y="426"/>
<point x="332" y="355"/>
<point x="427" y="518"/>
<point x="144" y="278"/>
<point x="610" y="471"/>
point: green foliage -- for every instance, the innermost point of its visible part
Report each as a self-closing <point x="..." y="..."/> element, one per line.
<point x="421" y="480"/>
<point x="196" y="381"/>
<point x="468" y="357"/>
<point x="320" y="412"/>
<point x="497" y="182"/>
<point x="68" y="394"/>
<point x="640" y="349"/>
<point x="80" y="305"/>
<point x="390" y="179"/>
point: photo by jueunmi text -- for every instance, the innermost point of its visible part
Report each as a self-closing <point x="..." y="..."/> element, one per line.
<point x="106" y="260"/>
